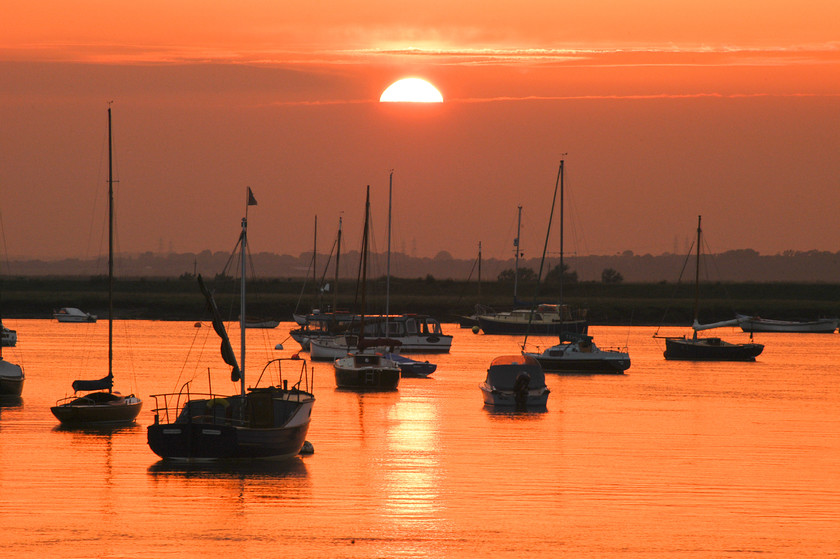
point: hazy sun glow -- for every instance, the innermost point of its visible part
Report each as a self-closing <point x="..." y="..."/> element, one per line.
<point x="411" y="90"/>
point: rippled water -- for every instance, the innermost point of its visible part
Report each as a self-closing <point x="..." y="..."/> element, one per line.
<point x="669" y="460"/>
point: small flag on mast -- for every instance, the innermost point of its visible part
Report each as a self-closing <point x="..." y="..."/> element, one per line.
<point x="251" y="200"/>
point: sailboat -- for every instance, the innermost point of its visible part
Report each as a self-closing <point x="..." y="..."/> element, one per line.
<point x="576" y="352"/>
<point x="707" y="349"/>
<point x="544" y="319"/>
<point x="365" y="366"/>
<point x="99" y="403"/>
<point x="258" y="423"/>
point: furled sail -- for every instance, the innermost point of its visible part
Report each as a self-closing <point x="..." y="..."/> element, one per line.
<point x="219" y="327"/>
<point x="105" y="383"/>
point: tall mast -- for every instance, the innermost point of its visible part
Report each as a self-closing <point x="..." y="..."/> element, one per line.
<point x="337" y="256"/>
<point x="516" y="254"/>
<point x="242" y="271"/>
<point x="314" y="258"/>
<point x="364" y="264"/>
<point x="388" y="264"/>
<point x="479" y="267"/>
<point x="697" y="276"/>
<point x="110" y="253"/>
<point x="560" y="173"/>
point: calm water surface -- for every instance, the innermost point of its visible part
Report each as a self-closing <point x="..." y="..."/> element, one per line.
<point x="669" y="460"/>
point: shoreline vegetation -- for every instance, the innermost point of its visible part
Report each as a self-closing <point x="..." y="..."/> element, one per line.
<point x="623" y="303"/>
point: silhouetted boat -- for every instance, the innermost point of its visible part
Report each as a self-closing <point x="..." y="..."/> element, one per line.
<point x="515" y="381"/>
<point x="707" y="349"/>
<point x="365" y="367"/>
<point x="581" y="356"/>
<point x="758" y="324"/>
<point x="72" y="314"/>
<point x="11" y="378"/>
<point x="8" y="337"/>
<point x="410" y="367"/>
<point x="257" y="423"/>
<point x="101" y="404"/>
<point x="575" y="352"/>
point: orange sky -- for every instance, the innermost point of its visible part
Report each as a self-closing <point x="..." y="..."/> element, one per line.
<point x="666" y="110"/>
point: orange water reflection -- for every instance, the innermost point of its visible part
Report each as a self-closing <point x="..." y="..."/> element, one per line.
<point x="668" y="460"/>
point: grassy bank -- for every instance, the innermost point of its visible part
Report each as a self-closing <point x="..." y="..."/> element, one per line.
<point x="627" y="303"/>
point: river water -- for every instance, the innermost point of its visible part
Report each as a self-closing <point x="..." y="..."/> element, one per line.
<point x="671" y="459"/>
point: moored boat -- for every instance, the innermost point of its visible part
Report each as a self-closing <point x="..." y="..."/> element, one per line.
<point x="410" y="367"/>
<point x="515" y="381"/>
<point x="8" y="337"/>
<point x="257" y="423"/>
<point x="72" y="314"/>
<point x="11" y="378"/>
<point x="758" y="324"/>
<point x="582" y="355"/>
<point x="707" y="349"/>
<point x="99" y="403"/>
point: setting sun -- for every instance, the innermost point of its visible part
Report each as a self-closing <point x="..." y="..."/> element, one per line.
<point x="411" y="90"/>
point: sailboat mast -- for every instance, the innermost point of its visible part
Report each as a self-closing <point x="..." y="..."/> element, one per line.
<point x="364" y="264"/>
<point x="697" y="276"/>
<point x="243" y="244"/>
<point x="479" y="268"/>
<point x="516" y="254"/>
<point x="315" y="257"/>
<point x="337" y="257"/>
<point x="562" y="213"/>
<point x="388" y="263"/>
<point x="110" y="253"/>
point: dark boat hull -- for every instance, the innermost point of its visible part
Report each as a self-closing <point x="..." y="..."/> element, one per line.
<point x="209" y="442"/>
<point x="11" y="386"/>
<point x="710" y="349"/>
<point x="593" y="366"/>
<point x="367" y="379"/>
<point x="70" y="414"/>
<point x="567" y="328"/>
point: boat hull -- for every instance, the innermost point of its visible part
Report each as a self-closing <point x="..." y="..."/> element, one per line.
<point x="366" y="372"/>
<point x="710" y="349"/>
<point x="822" y="326"/>
<point x="510" y="399"/>
<point x="603" y="365"/>
<point x="493" y="325"/>
<point x="10" y="386"/>
<point x="204" y="442"/>
<point x="267" y="424"/>
<point x="97" y="414"/>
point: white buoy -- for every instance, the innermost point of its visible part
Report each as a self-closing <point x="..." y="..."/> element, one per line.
<point x="278" y="346"/>
<point x="307" y="448"/>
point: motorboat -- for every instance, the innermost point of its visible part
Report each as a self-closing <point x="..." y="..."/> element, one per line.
<point x="582" y="355"/>
<point x="758" y="324"/>
<point x="95" y="402"/>
<point x="11" y="378"/>
<point x="268" y="422"/>
<point x="410" y="367"/>
<point x="72" y="314"/>
<point x="8" y="337"/>
<point x="515" y="381"/>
